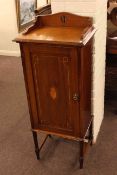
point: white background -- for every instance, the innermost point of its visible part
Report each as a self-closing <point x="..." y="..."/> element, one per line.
<point x="8" y="27"/>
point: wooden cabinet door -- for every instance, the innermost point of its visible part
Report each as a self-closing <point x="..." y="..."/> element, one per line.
<point x="55" y="76"/>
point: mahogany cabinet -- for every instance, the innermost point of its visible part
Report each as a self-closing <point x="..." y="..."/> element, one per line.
<point x="57" y="62"/>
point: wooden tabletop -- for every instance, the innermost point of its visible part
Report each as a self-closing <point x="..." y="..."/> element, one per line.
<point x="53" y="35"/>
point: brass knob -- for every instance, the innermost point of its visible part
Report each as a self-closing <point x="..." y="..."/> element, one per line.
<point x="75" y="97"/>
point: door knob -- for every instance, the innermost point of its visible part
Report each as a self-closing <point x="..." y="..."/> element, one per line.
<point x="75" y="97"/>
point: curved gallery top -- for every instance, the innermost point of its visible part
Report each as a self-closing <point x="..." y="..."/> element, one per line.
<point x="64" y="28"/>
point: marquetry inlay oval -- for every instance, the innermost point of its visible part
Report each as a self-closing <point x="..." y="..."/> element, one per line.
<point x="53" y="93"/>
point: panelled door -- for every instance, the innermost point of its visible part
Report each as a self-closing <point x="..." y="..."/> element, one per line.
<point x="55" y="76"/>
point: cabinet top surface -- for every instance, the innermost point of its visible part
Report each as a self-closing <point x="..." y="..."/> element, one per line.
<point x="61" y="28"/>
<point x="53" y="35"/>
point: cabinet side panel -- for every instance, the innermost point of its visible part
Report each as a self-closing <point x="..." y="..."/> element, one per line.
<point x="27" y="70"/>
<point x="85" y="87"/>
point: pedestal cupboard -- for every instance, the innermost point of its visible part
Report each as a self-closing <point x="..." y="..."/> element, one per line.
<point x="57" y="62"/>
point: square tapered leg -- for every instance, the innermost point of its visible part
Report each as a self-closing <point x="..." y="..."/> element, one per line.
<point x="36" y="144"/>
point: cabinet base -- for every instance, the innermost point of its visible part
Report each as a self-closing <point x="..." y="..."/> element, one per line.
<point x="82" y="142"/>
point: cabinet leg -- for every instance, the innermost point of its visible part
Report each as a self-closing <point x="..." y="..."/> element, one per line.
<point x="36" y="144"/>
<point x="81" y="159"/>
<point x="91" y="134"/>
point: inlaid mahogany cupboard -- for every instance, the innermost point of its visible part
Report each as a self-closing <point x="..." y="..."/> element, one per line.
<point x="57" y="59"/>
